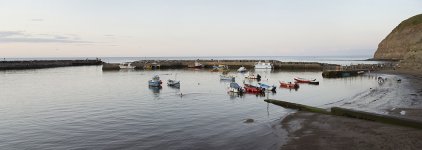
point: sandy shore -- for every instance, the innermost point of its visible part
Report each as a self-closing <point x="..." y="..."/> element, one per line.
<point x="399" y="98"/>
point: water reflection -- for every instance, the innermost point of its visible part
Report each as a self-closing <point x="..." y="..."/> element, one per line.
<point x="234" y="95"/>
<point x="155" y="89"/>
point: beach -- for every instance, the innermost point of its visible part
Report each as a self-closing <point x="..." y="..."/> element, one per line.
<point x="402" y="99"/>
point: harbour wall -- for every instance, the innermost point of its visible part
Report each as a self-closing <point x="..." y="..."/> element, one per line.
<point x="36" y="64"/>
<point x="232" y="64"/>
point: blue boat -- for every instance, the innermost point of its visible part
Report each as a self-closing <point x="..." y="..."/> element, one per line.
<point x="267" y="87"/>
<point x="155" y="82"/>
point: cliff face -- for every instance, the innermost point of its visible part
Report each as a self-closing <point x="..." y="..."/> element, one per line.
<point x="407" y="36"/>
<point x="403" y="43"/>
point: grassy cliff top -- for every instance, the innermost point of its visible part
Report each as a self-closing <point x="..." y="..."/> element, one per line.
<point x="412" y="21"/>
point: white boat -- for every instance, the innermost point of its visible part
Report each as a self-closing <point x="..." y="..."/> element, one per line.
<point x="263" y="65"/>
<point x="196" y="65"/>
<point x="235" y="88"/>
<point x="251" y="75"/>
<point x="126" y="65"/>
<point x="242" y="69"/>
<point x="173" y="83"/>
<point x="227" y="77"/>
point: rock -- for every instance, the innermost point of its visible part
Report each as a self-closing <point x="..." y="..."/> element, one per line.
<point x="403" y="43"/>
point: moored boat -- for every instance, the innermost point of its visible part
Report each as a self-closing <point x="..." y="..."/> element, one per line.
<point x="126" y="65"/>
<point x="196" y="65"/>
<point x="314" y="82"/>
<point x="267" y="87"/>
<point x="227" y="77"/>
<point x="263" y="65"/>
<point x="155" y="82"/>
<point x="252" y="89"/>
<point x="303" y="80"/>
<point x="242" y="69"/>
<point x="251" y="75"/>
<point x="289" y="85"/>
<point x="173" y="83"/>
<point x="235" y="88"/>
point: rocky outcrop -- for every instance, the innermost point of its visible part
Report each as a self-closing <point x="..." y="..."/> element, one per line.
<point x="403" y="43"/>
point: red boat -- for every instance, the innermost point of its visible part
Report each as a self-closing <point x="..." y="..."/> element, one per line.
<point x="289" y="85"/>
<point x="252" y="89"/>
<point x="303" y="80"/>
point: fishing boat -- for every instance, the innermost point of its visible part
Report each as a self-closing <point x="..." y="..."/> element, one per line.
<point x="289" y="85"/>
<point x="252" y="89"/>
<point x="155" y="82"/>
<point x="251" y="75"/>
<point x="126" y="65"/>
<point x="266" y="87"/>
<point x="242" y="69"/>
<point x="196" y="65"/>
<point x="263" y="65"/>
<point x="173" y="83"/>
<point x="220" y="68"/>
<point x="227" y="77"/>
<point x="235" y="88"/>
<point x="303" y="80"/>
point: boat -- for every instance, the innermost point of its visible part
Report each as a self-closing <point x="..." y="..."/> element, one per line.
<point x="242" y="69"/>
<point x="263" y="65"/>
<point x="196" y="65"/>
<point x="155" y="82"/>
<point x="303" y="80"/>
<point x="314" y="82"/>
<point x="173" y="83"/>
<point x="126" y="65"/>
<point x="227" y="77"/>
<point x="361" y="72"/>
<point x="251" y="75"/>
<point x="235" y="88"/>
<point x="266" y="87"/>
<point x="252" y="89"/>
<point x="289" y="85"/>
<point x="220" y="68"/>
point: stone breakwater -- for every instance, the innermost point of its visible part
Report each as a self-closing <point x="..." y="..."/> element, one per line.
<point x="36" y="64"/>
<point x="232" y="64"/>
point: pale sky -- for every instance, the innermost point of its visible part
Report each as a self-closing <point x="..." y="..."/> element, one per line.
<point x="142" y="28"/>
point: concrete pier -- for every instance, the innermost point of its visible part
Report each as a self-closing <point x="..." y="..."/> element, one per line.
<point x="36" y="64"/>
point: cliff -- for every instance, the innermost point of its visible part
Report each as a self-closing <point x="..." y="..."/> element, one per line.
<point x="403" y="43"/>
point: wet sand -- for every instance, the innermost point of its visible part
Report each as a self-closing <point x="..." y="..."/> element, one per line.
<point x="398" y="98"/>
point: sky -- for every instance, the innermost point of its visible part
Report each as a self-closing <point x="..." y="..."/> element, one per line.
<point x="156" y="28"/>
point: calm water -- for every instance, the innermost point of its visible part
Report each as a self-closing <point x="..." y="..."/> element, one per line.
<point x="84" y="107"/>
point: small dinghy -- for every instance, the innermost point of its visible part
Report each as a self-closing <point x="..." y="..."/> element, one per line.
<point x="303" y="80"/>
<point x="235" y="88"/>
<point x="267" y="87"/>
<point x="155" y="82"/>
<point x="173" y="83"/>
<point x="253" y="89"/>
<point x="251" y="75"/>
<point x="289" y="85"/>
<point x="227" y="77"/>
<point x="242" y="69"/>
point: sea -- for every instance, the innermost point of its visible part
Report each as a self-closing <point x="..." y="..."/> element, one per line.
<point x="84" y="107"/>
